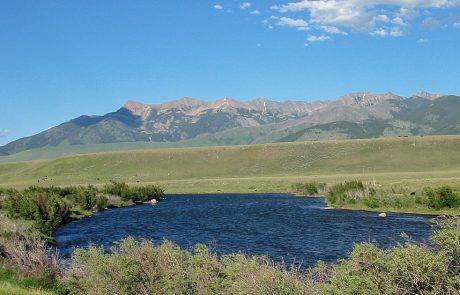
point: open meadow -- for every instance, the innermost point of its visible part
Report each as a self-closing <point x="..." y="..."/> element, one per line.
<point x="412" y="162"/>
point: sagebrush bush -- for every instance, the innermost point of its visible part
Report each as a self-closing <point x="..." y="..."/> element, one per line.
<point x="32" y="256"/>
<point x="143" y="268"/>
<point x="404" y="269"/>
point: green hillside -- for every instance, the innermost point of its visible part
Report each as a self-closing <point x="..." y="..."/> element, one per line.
<point x="442" y="115"/>
<point x="270" y="167"/>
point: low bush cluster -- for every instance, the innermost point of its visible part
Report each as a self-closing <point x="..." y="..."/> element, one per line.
<point x="48" y="207"/>
<point x="348" y="192"/>
<point x="355" y="192"/>
<point x="308" y="188"/>
<point x="45" y="208"/>
<point x="142" y="268"/>
<point x="404" y="269"/>
<point x="442" y="197"/>
<point x="134" y="193"/>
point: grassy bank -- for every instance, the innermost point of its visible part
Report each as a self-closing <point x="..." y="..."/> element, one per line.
<point x="359" y="195"/>
<point x="7" y="288"/>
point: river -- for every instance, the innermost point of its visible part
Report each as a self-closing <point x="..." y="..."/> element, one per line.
<point x="282" y="226"/>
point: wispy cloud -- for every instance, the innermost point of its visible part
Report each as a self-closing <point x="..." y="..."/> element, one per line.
<point x="218" y="7"/>
<point x="422" y="40"/>
<point x="431" y="23"/>
<point x="255" y="12"/>
<point x="313" y="38"/>
<point x="245" y="5"/>
<point x="4" y="132"/>
<point x="290" y="22"/>
<point x="333" y="30"/>
<point x="384" y="32"/>
<point x="457" y="25"/>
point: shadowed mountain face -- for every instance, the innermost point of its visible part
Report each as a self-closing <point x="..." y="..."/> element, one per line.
<point x="356" y="115"/>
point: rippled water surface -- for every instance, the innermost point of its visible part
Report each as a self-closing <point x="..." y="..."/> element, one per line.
<point x="278" y="225"/>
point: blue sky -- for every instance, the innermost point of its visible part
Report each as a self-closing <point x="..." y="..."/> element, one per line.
<point x="62" y="59"/>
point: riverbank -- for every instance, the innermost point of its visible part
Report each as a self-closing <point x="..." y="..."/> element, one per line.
<point x="203" y="270"/>
<point x="29" y="218"/>
<point x="357" y="195"/>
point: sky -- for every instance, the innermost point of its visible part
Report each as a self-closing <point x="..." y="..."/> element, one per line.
<point x="65" y="58"/>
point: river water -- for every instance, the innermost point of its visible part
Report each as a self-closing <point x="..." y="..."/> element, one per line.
<point x="281" y="226"/>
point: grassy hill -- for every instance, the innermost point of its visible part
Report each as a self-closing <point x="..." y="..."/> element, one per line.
<point x="269" y="167"/>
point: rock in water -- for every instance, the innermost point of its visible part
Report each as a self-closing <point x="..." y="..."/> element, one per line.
<point x="153" y="201"/>
<point x="382" y="215"/>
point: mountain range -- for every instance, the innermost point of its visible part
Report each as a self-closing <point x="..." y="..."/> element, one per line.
<point x="227" y="121"/>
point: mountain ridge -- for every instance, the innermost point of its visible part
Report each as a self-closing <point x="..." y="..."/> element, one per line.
<point x="271" y="121"/>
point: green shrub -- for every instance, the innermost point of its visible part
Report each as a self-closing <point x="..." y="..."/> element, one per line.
<point x="101" y="202"/>
<point x="120" y="189"/>
<point x="46" y="209"/>
<point x="404" y="269"/>
<point x="311" y="188"/>
<point x="331" y="198"/>
<point x="447" y="237"/>
<point x="348" y="192"/>
<point x="145" y="193"/>
<point x="442" y="197"/>
<point x="84" y="197"/>
<point x="371" y="202"/>
<point x="135" y="194"/>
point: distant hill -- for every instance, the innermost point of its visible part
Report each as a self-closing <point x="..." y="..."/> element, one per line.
<point x="262" y="167"/>
<point x="192" y="122"/>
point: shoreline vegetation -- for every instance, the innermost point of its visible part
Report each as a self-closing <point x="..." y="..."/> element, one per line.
<point x="29" y="217"/>
<point x="357" y="195"/>
<point x="29" y="266"/>
<point x="41" y="210"/>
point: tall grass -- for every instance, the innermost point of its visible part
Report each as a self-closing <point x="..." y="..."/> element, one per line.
<point x="354" y="193"/>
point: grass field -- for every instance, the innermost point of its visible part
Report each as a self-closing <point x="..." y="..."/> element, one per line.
<point x="7" y="288"/>
<point x="414" y="162"/>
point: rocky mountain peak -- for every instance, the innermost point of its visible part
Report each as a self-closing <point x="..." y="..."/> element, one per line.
<point x="427" y="95"/>
<point x="227" y="102"/>
<point x="137" y="108"/>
